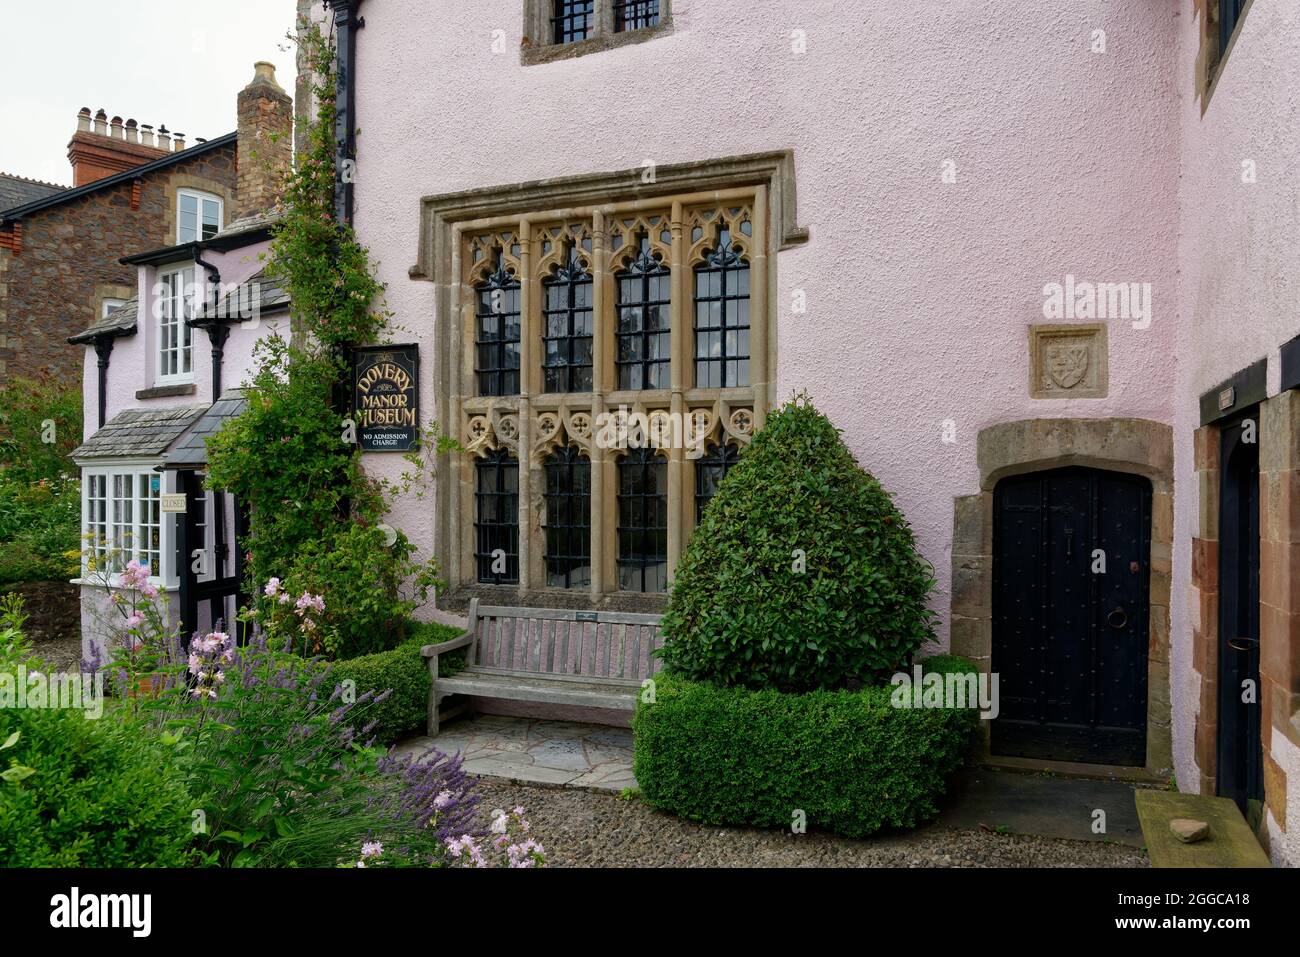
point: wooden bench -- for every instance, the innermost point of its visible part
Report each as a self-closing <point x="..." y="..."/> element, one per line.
<point x="594" y="659"/>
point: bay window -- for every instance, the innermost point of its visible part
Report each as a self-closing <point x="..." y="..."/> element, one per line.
<point x="122" y="521"/>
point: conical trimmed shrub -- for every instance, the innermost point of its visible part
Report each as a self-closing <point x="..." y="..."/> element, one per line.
<point x="802" y="574"/>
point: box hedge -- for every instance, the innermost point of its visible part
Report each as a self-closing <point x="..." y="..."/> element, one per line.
<point x="850" y="760"/>
<point x="405" y="671"/>
<point x="803" y="574"/>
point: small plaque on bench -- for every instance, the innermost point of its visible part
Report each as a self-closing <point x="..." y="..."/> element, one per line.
<point x="587" y="616"/>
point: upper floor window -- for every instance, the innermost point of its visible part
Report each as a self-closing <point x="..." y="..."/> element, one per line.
<point x="635" y="14"/>
<point x="198" y="216"/>
<point x="554" y="29"/>
<point x="109" y="306"/>
<point x="174" y="307"/>
<point x="1220" y="22"/>
<point x="572" y="20"/>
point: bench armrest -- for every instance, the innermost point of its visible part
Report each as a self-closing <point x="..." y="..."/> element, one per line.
<point x="432" y="651"/>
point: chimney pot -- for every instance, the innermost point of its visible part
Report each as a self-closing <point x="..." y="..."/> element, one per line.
<point x="101" y="123"/>
<point x="115" y="127"/>
<point x="83" y="120"/>
<point x="264" y="72"/>
<point x="146" y="135"/>
<point x="132" y="134"/>
<point x="164" y="139"/>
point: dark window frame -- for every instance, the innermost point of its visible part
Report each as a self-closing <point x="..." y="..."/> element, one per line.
<point x="608" y="27"/>
<point x="718" y="460"/>
<point x="495" y="379"/>
<point x="724" y="260"/>
<point x="566" y="15"/>
<point x="636" y="15"/>
<point x="644" y="272"/>
<point x="571" y="278"/>
<point x="567" y="528"/>
<point x="500" y="530"/>
<point x="635" y="470"/>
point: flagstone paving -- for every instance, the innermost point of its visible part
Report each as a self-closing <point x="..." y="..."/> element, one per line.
<point x="537" y="752"/>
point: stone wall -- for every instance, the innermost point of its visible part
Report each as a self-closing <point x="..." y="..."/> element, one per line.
<point x="50" y="285"/>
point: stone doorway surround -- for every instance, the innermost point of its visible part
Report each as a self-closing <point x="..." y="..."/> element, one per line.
<point x="1136" y="446"/>
<point x="1279" y="595"/>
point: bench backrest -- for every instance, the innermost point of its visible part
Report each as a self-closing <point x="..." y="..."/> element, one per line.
<point x="579" y="645"/>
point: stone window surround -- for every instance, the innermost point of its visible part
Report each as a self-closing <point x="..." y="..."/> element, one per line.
<point x="105" y="291"/>
<point x="768" y="179"/>
<point x="1279" y="692"/>
<point x="1210" y="60"/>
<point x="186" y="181"/>
<point x="1136" y="446"/>
<point x="538" y="46"/>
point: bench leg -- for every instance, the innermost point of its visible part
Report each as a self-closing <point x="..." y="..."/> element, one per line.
<point x="433" y="697"/>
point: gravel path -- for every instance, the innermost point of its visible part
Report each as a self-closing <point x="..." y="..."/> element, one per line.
<point x="589" y="829"/>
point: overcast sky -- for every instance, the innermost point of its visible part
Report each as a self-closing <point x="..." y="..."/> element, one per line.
<point x="177" y="63"/>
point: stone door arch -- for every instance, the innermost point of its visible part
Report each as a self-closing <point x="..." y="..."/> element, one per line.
<point x="1138" y="446"/>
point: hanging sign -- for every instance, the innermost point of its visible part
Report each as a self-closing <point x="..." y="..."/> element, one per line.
<point x="386" y="397"/>
<point x="173" y="502"/>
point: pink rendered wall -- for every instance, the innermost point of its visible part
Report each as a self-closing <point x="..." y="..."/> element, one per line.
<point x="919" y="292"/>
<point x="1239" y="262"/>
<point x="133" y="362"/>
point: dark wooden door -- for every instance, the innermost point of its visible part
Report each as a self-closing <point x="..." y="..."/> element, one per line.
<point x="1240" y="770"/>
<point x="1071" y="550"/>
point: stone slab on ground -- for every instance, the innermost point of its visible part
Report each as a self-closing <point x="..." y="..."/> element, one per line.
<point x="541" y="752"/>
<point x="1229" y="844"/>
<point x="1042" y="805"/>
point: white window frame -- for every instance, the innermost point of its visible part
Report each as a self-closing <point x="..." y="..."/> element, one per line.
<point x="108" y="305"/>
<point x="200" y="198"/>
<point x="144" y="514"/>
<point x="175" y="338"/>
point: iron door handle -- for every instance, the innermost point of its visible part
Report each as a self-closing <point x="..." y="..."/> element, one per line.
<point x="1123" y="619"/>
<point x="1243" y="643"/>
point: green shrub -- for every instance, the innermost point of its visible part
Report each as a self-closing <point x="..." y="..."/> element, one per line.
<point x="40" y="424"/>
<point x="405" y="671"/>
<point x="104" y="793"/>
<point x="802" y="574"/>
<point x="852" y="762"/>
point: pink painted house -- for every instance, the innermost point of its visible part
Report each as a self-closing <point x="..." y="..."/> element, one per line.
<point x="164" y="371"/>
<point x="1035" y="260"/>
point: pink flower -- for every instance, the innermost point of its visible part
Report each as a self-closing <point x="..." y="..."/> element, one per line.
<point x="272" y="588"/>
<point x="372" y="849"/>
<point x="135" y="619"/>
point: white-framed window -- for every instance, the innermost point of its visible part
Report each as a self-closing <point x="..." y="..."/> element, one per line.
<point x="110" y="306"/>
<point x="174" y="307"/>
<point x="122" y="520"/>
<point x="198" y="215"/>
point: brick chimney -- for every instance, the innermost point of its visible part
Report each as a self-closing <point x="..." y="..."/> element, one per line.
<point x="101" y="148"/>
<point x="265" y="149"/>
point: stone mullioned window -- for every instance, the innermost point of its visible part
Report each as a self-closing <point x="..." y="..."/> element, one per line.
<point x="558" y="29"/>
<point x="611" y="360"/>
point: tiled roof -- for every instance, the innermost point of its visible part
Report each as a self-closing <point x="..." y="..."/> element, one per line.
<point x="192" y="450"/>
<point x="259" y="292"/>
<point x="119" y="322"/>
<point x="139" y="433"/>
<point x="19" y="190"/>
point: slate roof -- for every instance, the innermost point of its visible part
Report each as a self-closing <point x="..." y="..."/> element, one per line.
<point x="120" y="322"/>
<point x="19" y="190"/>
<point x="139" y="433"/>
<point x="258" y="294"/>
<point x="191" y="450"/>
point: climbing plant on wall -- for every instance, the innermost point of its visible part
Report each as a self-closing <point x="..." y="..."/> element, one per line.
<point x="316" y="515"/>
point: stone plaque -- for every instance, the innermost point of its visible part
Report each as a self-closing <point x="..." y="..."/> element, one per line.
<point x="1068" y="361"/>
